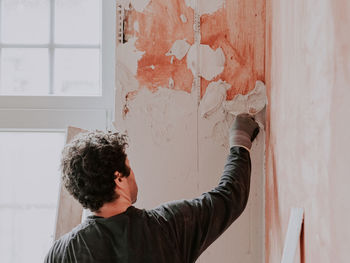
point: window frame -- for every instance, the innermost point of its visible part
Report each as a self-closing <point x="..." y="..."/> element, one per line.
<point x="58" y="112"/>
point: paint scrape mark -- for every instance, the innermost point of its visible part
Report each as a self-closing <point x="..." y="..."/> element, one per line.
<point x="251" y="103"/>
<point x="214" y="97"/>
<point x="206" y="6"/>
<point x="127" y="24"/>
<point x="171" y="83"/>
<point x="212" y="62"/>
<point x="179" y="49"/>
<point x="125" y="111"/>
<point x="183" y="18"/>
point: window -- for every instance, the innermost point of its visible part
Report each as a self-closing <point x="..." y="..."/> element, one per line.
<point x="57" y="64"/>
<point x="29" y="183"/>
<point x="50" y="48"/>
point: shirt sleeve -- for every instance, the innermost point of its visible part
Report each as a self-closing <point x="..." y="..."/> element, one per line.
<point x="195" y="224"/>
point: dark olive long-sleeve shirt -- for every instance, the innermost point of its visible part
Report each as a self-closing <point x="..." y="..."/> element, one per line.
<point x="178" y="231"/>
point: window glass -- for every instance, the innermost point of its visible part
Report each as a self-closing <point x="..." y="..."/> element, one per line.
<point x="77" y="21"/>
<point x="24" y="22"/>
<point x="24" y="71"/>
<point x="29" y="185"/>
<point x="77" y="71"/>
<point x="33" y="63"/>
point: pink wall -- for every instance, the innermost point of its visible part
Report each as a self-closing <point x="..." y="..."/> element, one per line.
<point x="308" y="161"/>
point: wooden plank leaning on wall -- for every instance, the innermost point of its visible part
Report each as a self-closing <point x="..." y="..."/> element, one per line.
<point x="69" y="210"/>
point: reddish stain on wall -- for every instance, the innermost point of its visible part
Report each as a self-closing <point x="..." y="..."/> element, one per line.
<point x="160" y="26"/>
<point x="239" y="29"/>
<point x="307" y="144"/>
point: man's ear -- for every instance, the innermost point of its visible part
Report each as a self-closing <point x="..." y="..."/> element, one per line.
<point x="118" y="178"/>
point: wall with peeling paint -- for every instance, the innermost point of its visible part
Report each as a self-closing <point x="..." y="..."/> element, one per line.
<point x="308" y="69"/>
<point x="178" y="63"/>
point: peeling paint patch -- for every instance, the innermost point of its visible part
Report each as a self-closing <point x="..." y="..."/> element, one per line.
<point x="251" y="103"/>
<point x="214" y="97"/>
<point x="128" y="55"/>
<point x="160" y="27"/>
<point x="239" y="29"/>
<point x="179" y="49"/>
<point x="126" y="79"/>
<point x="183" y="18"/>
<point x="138" y="5"/>
<point x="206" y="6"/>
<point x="212" y="62"/>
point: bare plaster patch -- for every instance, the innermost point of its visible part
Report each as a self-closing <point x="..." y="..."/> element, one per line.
<point x="128" y="55"/>
<point x="161" y="127"/>
<point x="211" y="62"/>
<point x="206" y="6"/>
<point x="183" y="18"/>
<point x="220" y="113"/>
<point x="139" y="5"/>
<point x="126" y="79"/>
<point x="179" y="49"/>
<point x="162" y="111"/>
<point x="213" y="98"/>
<point x="251" y="103"/>
<point x="136" y="26"/>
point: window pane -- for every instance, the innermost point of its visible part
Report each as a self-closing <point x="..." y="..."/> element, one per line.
<point x="77" y="72"/>
<point x="24" y="71"/>
<point x="77" y="21"/>
<point x="29" y="184"/>
<point x="25" y="21"/>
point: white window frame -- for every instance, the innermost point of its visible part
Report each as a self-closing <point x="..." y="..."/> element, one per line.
<point x="59" y="112"/>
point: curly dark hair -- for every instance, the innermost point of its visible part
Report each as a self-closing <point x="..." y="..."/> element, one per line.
<point x="88" y="165"/>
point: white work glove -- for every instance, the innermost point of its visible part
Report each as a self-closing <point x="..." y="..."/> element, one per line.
<point x="243" y="131"/>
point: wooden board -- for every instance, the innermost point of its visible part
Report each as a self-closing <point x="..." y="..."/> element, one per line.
<point x="293" y="235"/>
<point x="69" y="211"/>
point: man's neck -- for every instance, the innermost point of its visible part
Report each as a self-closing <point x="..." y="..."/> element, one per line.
<point x="116" y="207"/>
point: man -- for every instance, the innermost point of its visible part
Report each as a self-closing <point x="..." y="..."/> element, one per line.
<point x="96" y="171"/>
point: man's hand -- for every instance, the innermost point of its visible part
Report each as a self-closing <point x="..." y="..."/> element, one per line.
<point x="243" y="131"/>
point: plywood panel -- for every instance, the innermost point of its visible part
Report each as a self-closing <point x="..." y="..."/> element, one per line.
<point x="69" y="210"/>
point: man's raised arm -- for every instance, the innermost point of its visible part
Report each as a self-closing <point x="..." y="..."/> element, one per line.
<point x="195" y="224"/>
